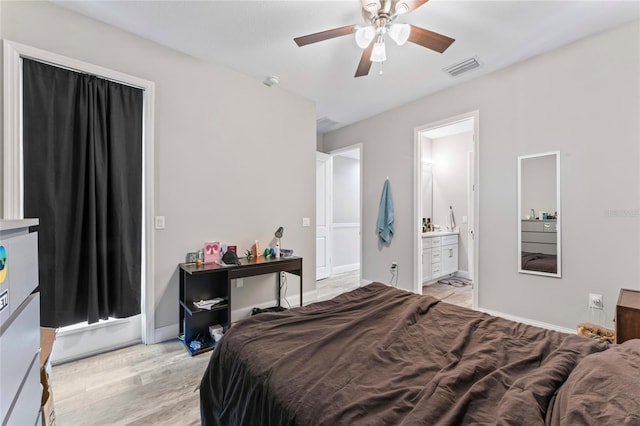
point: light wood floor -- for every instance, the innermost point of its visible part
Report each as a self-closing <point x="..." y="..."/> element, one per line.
<point x="461" y="296"/>
<point x="156" y="385"/>
<point x="138" y="385"/>
<point x="339" y="283"/>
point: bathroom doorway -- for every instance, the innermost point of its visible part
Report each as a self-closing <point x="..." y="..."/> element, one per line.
<point x="446" y="197"/>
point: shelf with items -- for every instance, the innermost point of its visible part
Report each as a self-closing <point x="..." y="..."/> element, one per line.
<point x="194" y="321"/>
<point x="191" y="309"/>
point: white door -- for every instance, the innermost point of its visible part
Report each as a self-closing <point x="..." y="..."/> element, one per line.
<point x="323" y="215"/>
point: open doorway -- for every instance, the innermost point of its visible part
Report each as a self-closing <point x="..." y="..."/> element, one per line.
<point x="339" y="234"/>
<point x="445" y="211"/>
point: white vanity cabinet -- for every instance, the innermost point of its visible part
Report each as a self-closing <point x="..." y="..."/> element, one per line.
<point x="426" y="259"/>
<point x="439" y="255"/>
<point x="449" y="256"/>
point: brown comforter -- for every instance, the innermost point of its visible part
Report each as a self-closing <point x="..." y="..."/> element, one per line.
<point x="383" y="356"/>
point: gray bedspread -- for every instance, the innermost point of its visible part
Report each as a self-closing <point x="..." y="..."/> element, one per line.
<point x="383" y="356"/>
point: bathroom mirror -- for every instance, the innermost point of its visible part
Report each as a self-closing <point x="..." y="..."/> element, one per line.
<point x="539" y="216"/>
<point x="427" y="190"/>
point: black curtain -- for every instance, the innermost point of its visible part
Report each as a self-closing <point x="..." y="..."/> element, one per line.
<point x="82" y="147"/>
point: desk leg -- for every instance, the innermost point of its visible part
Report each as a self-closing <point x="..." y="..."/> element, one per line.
<point x="300" y="284"/>
<point x="279" y="287"/>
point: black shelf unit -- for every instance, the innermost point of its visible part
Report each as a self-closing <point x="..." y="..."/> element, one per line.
<point x="194" y="323"/>
<point x="208" y="281"/>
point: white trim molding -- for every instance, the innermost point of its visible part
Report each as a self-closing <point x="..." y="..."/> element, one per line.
<point x="13" y="195"/>
<point x="345" y="268"/>
<point x="474" y="213"/>
<point x="528" y="321"/>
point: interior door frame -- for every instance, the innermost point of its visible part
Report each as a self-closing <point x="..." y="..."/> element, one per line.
<point x="328" y="210"/>
<point x="417" y="200"/>
<point x="359" y="147"/>
<point x="13" y="190"/>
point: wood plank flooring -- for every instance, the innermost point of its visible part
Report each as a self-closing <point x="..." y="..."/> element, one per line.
<point x="461" y="296"/>
<point x="157" y="384"/>
<point x="138" y="385"/>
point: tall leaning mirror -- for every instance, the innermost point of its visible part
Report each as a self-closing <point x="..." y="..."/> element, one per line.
<point x="539" y="237"/>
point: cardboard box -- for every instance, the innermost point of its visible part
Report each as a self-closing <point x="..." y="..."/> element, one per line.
<point x="48" y="412"/>
<point x="47" y="337"/>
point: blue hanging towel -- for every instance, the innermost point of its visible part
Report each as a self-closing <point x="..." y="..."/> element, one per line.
<point x="385" y="214"/>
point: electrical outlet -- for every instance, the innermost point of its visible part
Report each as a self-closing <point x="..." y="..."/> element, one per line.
<point x="394" y="266"/>
<point x="239" y="282"/>
<point x="595" y="301"/>
<point x="159" y="222"/>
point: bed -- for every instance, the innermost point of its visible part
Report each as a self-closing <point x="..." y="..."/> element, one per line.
<point x="540" y="262"/>
<point x="382" y="356"/>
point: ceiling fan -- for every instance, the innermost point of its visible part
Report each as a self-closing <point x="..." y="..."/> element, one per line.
<point x="380" y="16"/>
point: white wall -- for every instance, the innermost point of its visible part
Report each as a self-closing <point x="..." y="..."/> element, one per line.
<point x="213" y="176"/>
<point x="583" y="100"/>
<point x="320" y="142"/>
<point x="345" y="254"/>
<point x="450" y="183"/>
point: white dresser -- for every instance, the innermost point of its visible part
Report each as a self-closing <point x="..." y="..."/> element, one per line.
<point x="20" y="390"/>
<point x="439" y="255"/>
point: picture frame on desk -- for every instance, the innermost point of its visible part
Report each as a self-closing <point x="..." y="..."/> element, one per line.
<point x="212" y="252"/>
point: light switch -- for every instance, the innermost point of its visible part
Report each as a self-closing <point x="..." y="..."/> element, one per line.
<point x="306" y="221"/>
<point x="159" y="222"/>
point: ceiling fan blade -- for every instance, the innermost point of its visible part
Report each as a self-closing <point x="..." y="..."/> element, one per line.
<point x="324" y="35"/>
<point x="365" y="62"/>
<point x="429" y="39"/>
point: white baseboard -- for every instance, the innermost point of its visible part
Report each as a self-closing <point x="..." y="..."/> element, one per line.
<point x="169" y="332"/>
<point x="528" y="321"/>
<point x="83" y="340"/>
<point x="463" y="274"/>
<point x="344" y="268"/>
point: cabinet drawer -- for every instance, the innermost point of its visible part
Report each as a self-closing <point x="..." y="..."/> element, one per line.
<point x="436" y="270"/>
<point x="450" y="239"/>
<point x="435" y="255"/>
<point x="426" y="242"/>
<point x="27" y="406"/>
<point x="18" y="345"/>
<point x="22" y="271"/>
<point x="435" y="241"/>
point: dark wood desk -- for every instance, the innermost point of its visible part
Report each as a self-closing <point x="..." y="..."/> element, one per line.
<point x="209" y="281"/>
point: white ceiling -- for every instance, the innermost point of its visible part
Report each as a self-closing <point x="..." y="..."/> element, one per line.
<point x="256" y="39"/>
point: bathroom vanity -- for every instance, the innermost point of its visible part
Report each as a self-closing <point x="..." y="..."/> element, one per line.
<point x="439" y="255"/>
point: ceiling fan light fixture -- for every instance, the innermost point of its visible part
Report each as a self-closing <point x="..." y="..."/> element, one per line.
<point x="371" y="6"/>
<point x="401" y="8"/>
<point x="399" y="33"/>
<point x="364" y="35"/>
<point x="379" y="52"/>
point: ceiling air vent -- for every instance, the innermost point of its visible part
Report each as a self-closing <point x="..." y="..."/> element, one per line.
<point x="462" y="67"/>
<point x="325" y="124"/>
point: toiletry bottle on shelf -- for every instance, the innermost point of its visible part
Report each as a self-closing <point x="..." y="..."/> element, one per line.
<point x="424" y="224"/>
<point x="429" y="225"/>
<point x="533" y="214"/>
